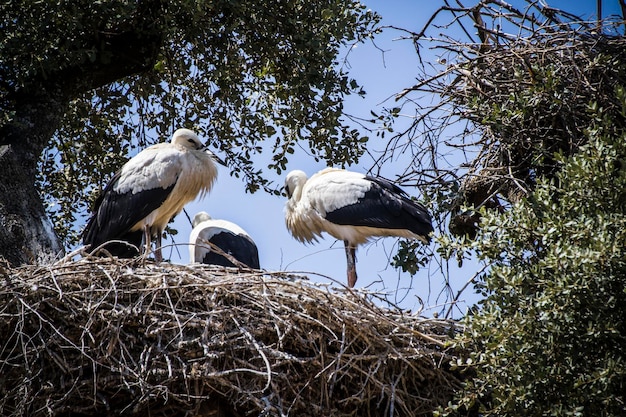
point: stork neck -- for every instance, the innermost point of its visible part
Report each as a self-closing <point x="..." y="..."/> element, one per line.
<point x="297" y="192"/>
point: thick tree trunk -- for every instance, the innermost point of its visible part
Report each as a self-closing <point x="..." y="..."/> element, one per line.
<point x="26" y="234"/>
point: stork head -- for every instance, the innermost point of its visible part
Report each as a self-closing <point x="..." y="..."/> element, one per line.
<point x="294" y="182"/>
<point x="200" y="217"/>
<point x="187" y="138"/>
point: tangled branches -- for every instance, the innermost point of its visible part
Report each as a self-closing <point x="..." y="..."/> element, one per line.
<point x="523" y="85"/>
<point x="105" y="337"/>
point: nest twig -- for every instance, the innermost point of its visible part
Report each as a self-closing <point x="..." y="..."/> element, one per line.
<point x="110" y="337"/>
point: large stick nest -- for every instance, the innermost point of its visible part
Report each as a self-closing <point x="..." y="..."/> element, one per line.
<point x="106" y="337"/>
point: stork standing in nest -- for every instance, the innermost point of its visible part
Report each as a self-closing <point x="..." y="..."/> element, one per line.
<point x="149" y="190"/>
<point x="351" y="207"/>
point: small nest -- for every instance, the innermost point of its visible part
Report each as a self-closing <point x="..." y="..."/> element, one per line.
<point x="111" y="337"/>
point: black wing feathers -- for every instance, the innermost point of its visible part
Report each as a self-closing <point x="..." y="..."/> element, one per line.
<point x="239" y="247"/>
<point x="384" y="205"/>
<point x="115" y="213"/>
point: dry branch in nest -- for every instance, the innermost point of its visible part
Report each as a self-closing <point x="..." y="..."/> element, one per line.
<point x="106" y="337"/>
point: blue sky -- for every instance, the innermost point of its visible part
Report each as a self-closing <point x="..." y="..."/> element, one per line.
<point x="261" y="215"/>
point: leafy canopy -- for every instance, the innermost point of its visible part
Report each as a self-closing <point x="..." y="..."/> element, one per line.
<point x="549" y="338"/>
<point x="241" y="73"/>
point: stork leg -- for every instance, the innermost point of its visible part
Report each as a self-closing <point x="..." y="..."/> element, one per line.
<point x="351" y="258"/>
<point x="146" y="241"/>
<point x="158" y="255"/>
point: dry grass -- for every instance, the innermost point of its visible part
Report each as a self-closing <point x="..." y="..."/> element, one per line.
<point x="107" y="337"/>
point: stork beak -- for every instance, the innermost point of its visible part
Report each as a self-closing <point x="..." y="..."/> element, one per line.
<point x="214" y="157"/>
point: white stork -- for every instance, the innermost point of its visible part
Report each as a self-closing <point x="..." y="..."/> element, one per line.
<point x="226" y="236"/>
<point x="150" y="189"/>
<point x="351" y="207"/>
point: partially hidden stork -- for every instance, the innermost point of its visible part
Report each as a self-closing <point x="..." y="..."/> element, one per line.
<point x="225" y="236"/>
<point x="351" y="207"/>
<point x="150" y="189"/>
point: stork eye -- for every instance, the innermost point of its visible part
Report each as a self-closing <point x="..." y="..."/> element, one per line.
<point x="191" y="141"/>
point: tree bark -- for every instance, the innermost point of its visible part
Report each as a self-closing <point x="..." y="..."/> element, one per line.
<point x="26" y="234"/>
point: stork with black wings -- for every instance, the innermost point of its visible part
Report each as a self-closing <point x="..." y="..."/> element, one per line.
<point x="148" y="191"/>
<point x="351" y="207"/>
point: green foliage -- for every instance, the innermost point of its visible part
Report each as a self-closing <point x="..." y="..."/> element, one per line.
<point x="550" y="337"/>
<point x="249" y="76"/>
<point x="41" y="38"/>
<point x="411" y="256"/>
